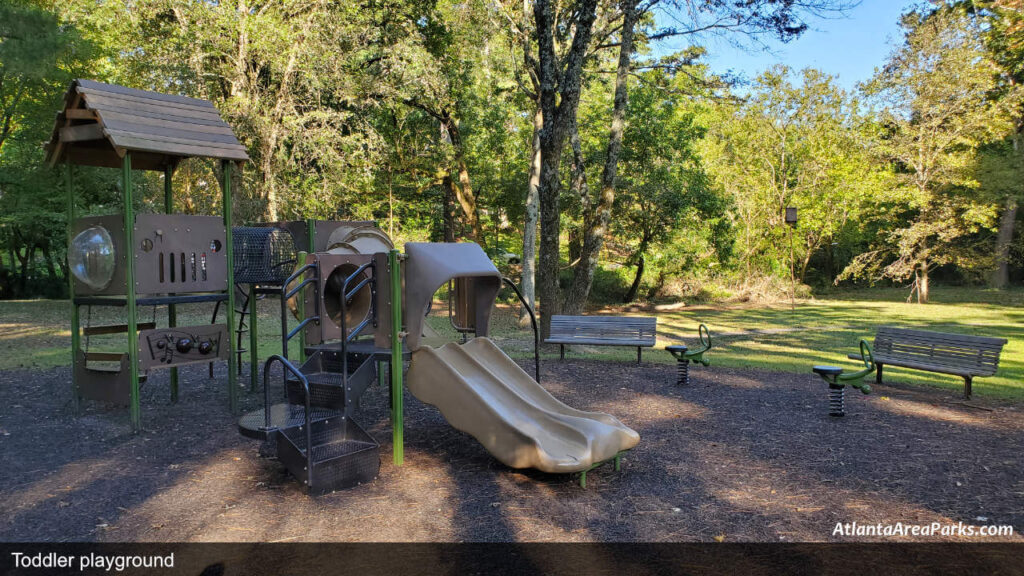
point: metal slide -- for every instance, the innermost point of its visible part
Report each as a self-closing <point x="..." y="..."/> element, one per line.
<point x="484" y="393"/>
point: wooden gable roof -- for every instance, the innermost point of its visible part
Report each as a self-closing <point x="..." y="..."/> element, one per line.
<point x="100" y="123"/>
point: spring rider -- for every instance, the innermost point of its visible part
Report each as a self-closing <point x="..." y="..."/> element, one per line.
<point x="684" y="355"/>
<point x="837" y="380"/>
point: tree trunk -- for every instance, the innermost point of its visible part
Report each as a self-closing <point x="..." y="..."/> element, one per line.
<point x="922" y="284"/>
<point x="564" y="82"/>
<point x="464" y="190"/>
<point x="530" y="223"/>
<point x="804" y="263"/>
<point x="240" y="81"/>
<point x="26" y="267"/>
<point x="575" y="244"/>
<point x="467" y="201"/>
<point x="831" y="259"/>
<point x="449" y="209"/>
<point x="596" y="220"/>
<point x="548" y="292"/>
<point x="635" y="286"/>
<point x="51" y="270"/>
<point x="579" y="187"/>
<point x="283" y="99"/>
<point x="1001" y="277"/>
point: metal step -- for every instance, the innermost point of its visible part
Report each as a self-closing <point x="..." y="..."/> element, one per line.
<point x="327" y="386"/>
<point x="254" y="424"/>
<point x="343" y="455"/>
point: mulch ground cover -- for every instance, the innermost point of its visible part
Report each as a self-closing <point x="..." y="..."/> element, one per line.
<point x="737" y="455"/>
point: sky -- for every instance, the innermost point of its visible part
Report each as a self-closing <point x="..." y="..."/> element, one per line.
<point x="849" y="47"/>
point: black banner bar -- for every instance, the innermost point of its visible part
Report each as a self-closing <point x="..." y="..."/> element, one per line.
<point x="291" y="559"/>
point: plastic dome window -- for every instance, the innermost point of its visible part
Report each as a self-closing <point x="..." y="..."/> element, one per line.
<point x="92" y="257"/>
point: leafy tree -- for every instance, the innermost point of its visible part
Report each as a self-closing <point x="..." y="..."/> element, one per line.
<point x="792" y="144"/>
<point x="935" y="89"/>
<point x="39" y="55"/>
<point x="664" y="182"/>
<point x="1002" y="26"/>
<point x="560" y="82"/>
<point x="286" y="75"/>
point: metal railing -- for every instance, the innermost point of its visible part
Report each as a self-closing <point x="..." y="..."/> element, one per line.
<point x="288" y="367"/>
<point x="346" y="297"/>
<point x="287" y="293"/>
<point x="462" y="330"/>
<point x="533" y="322"/>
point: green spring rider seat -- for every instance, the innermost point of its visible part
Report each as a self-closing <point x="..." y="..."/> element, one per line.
<point x="837" y="380"/>
<point x="684" y="355"/>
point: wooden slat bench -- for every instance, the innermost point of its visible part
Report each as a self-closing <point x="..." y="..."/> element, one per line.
<point x="639" y="331"/>
<point x="945" y="353"/>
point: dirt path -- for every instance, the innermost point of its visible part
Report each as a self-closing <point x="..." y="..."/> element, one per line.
<point x="737" y="455"/>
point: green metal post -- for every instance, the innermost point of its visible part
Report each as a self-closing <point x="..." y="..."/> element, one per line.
<point x="254" y="341"/>
<point x="172" y="311"/>
<point x="397" y="425"/>
<point x="129" y="275"/>
<point x="75" y="336"/>
<point x="229" y="251"/>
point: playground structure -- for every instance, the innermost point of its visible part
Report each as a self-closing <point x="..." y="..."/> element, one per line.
<point x="264" y="256"/>
<point x="131" y="260"/>
<point x="350" y="291"/>
<point x="837" y="380"/>
<point x="356" y="308"/>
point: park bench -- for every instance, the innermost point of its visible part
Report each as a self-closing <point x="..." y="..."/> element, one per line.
<point x="639" y="331"/>
<point x="945" y="353"/>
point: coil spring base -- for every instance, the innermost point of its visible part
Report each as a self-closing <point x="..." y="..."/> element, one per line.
<point x="835" y="400"/>
<point x="683" y="372"/>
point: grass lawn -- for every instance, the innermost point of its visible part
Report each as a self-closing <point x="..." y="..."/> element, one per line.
<point x="821" y="331"/>
<point x="826" y="329"/>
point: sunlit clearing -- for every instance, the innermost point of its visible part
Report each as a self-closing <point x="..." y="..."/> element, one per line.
<point x="221" y="508"/>
<point x="60" y="484"/>
<point x="933" y="412"/>
<point x="15" y="331"/>
<point x="654" y="408"/>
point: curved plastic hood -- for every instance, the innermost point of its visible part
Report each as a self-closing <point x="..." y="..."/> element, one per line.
<point x="430" y="265"/>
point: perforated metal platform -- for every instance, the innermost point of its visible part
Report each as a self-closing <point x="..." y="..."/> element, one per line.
<point x="253" y="424"/>
<point x="365" y="347"/>
<point x="327" y="387"/>
<point x="343" y="456"/>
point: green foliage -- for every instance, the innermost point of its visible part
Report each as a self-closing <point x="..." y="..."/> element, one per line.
<point x="792" y="143"/>
<point x="936" y="92"/>
<point x="664" y="183"/>
<point x="419" y="115"/>
<point x="38" y="58"/>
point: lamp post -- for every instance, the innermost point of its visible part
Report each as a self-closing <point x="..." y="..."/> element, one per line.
<point x="791" y="220"/>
